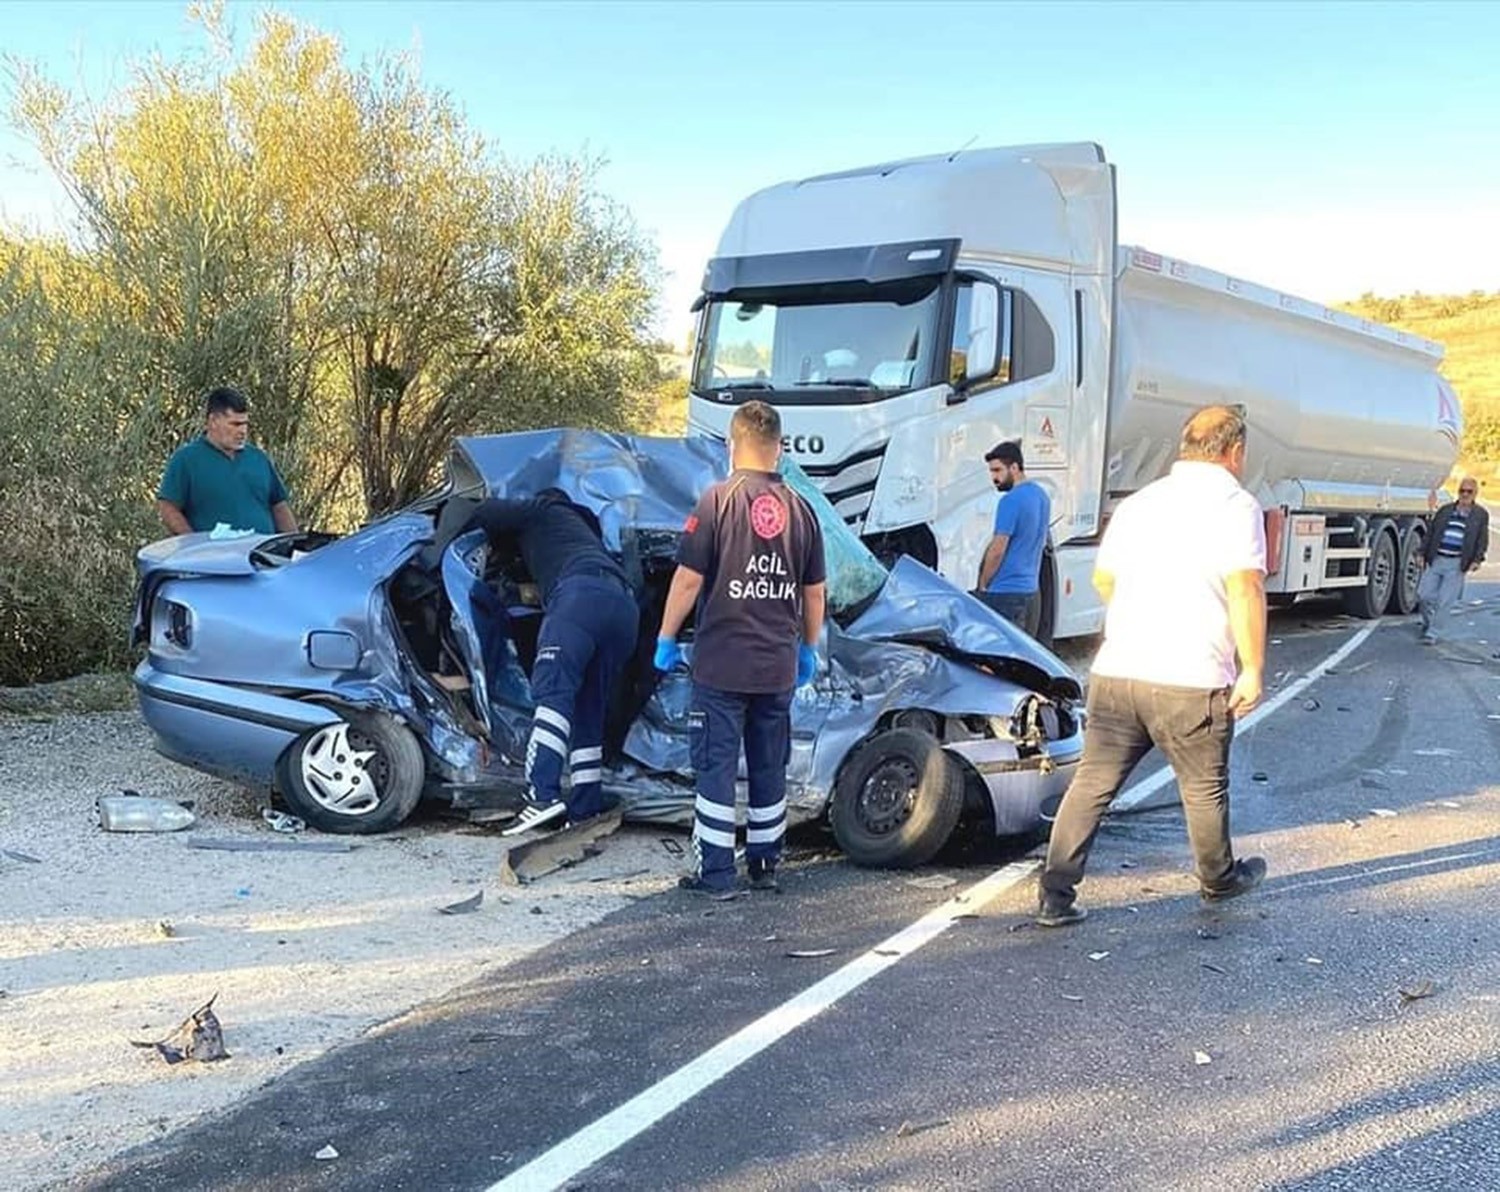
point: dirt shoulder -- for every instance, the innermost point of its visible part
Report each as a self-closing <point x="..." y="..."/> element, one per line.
<point x="304" y="951"/>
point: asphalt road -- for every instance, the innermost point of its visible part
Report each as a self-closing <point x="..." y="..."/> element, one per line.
<point x="1264" y="1044"/>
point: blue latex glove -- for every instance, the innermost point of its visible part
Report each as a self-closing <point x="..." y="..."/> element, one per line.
<point x="807" y="664"/>
<point x="668" y="654"/>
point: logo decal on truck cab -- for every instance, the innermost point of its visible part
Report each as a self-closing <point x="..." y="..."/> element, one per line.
<point x="802" y="444"/>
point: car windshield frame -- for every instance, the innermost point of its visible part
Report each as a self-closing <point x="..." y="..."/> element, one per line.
<point x="824" y="344"/>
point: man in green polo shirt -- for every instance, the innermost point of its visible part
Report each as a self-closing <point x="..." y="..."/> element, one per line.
<point x="221" y="478"/>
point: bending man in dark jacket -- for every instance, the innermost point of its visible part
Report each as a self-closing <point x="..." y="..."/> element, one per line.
<point x="588" y="632"/>
<point x="1455" y="547"/>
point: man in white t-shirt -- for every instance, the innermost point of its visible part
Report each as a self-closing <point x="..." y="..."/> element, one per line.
<point x="1182" y="570"/>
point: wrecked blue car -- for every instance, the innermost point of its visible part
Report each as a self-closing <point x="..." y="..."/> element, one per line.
<point x="355" y="675"/>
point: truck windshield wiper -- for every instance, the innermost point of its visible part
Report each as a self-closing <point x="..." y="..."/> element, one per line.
<point x="849" y="382"/>
<point x="744" y="385"/>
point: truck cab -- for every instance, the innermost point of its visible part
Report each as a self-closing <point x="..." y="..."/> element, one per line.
<point x="907" y="317"/>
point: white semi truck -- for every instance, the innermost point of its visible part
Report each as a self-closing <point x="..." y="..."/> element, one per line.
<point x="907" y="317"/>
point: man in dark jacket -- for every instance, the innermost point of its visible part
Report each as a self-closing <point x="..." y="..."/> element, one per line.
<point x="588" y="632"/>
<point x="1456" y="546"/>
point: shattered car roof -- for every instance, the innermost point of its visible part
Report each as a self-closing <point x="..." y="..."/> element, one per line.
<point x="635" y="484"/>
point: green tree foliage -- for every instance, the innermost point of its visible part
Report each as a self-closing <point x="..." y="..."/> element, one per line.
<point x="334" y="240"/>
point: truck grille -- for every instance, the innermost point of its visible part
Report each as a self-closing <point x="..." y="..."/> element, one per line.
<point x="849" y="485"/>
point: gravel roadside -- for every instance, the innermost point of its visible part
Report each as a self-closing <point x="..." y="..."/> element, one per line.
<point x="303" y="951"/>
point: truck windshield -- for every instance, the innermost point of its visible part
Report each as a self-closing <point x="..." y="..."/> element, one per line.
<point x="822" y="343"/>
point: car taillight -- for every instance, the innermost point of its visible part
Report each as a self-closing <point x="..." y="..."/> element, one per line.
<point x="172" y="623"/>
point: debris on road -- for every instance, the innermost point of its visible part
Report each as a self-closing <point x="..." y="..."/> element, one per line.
<point x="1128" y="865"/>
<point x="1213" y="968"/>
<point x="1449" y="803"/>
<point x="1373" y="784"/>
<point x="811" y="953"/>
<point x="199" y="1038"/>
<point x="1260" y="776"/>
<point x="907" y="1129"/>
<point x="673" y="848"/>
<point x="1313" y="960"/>
<point x="467" y="907"/>
<point x="234" y="844"/>
<point x="1382" y="812"/>
<point x="327" y="1154"/>
<point x="1416" y="992"/>
<point x="282" y="821"/>
<point x="1207" y="933"/>
<point x="166" y="929"/>
<point x="932" y="881"/>
<point x="887" y="951"/>
<point x="1202" y="1057"/>
<point x="130" y="812"/>
<point x="25" y="858"/>
<point x="1310" y="704"/>
<point x="1098" y="955"/>
<point x="1435" y="752"/>
<point x="1071" y="997"/>
<point x="524" y="863"/>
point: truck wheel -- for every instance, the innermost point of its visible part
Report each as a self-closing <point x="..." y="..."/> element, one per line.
<point x="1368" y="601"/>
<point x="1409" y="572"/>
<point x="359" y="776"/>
<point x="897" y="801"/>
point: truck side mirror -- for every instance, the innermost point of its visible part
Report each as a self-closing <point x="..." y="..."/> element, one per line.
<point x="981" y="358"/>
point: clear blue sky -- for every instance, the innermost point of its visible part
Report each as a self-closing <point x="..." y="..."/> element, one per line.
<point x="1325" y="149"/>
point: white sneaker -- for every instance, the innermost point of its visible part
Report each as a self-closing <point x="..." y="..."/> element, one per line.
<point x="537" y="815"/>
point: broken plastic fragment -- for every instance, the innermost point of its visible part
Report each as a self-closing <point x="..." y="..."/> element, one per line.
<point x="1382" y="812"/>
<point x="327" y="1153"/>
<point x="1260" y="776"/>
<point x="1098" y="955"/>
<point x="811" y="953"/>
<point x="907" y="1129"/>
<point x="1450" y="803"/>
<point x="200" y="1038"/>
<point x="1417" y="992"/>
<point x="1202" y="1057"/>
<point x="932" y="881"/>
<point x="1072" y="997"/>
<point x="1314" y="960"/>
<point x="466" y="907"/>
<point x="281" y="821"/>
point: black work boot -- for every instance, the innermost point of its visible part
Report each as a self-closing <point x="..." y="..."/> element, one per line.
<point x="1247" y="874"/>
<point x="1059" y="914"/>
<point x="763" y="877"/>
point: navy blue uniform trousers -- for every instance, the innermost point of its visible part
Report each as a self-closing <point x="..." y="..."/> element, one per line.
<point x="722" y="721"/>
<point x="587" y="635"/>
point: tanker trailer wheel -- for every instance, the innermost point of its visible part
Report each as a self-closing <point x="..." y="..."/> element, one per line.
<point x="1368" y="601"/>
<point x="1409" y="572"/>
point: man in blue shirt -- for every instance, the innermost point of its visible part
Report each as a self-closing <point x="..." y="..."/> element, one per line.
<point x="1010" y="573"/>
<point x="223" y="478"/>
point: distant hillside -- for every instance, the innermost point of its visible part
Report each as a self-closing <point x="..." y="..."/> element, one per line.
<point x="1469" y="328"/>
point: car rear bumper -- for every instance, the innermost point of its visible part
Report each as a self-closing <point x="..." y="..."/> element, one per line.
<point x="233" y="732"/>
<point x="1024" y="792"/>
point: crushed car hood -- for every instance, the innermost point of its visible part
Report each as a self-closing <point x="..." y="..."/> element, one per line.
<point x="918" y="607"/>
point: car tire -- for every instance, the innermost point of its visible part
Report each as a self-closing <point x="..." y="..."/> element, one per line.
<point x="361" y="775"/>
<point x="897" y="800"/>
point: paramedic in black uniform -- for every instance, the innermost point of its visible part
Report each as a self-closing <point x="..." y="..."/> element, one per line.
<point x="588" y="632"/>
<point x="751" y="559"/>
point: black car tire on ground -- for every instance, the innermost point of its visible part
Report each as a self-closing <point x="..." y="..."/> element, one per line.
<point x="397" y="769"/>
<point x="897" y="800"/>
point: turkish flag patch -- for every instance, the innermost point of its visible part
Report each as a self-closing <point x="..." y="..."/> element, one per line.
<point x="691" y="524"/>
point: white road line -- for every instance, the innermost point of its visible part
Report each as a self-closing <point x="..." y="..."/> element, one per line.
<point x="582" y="1150"/>
<point x="1144" y="789"/>
<point x="1384" y="869"/>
